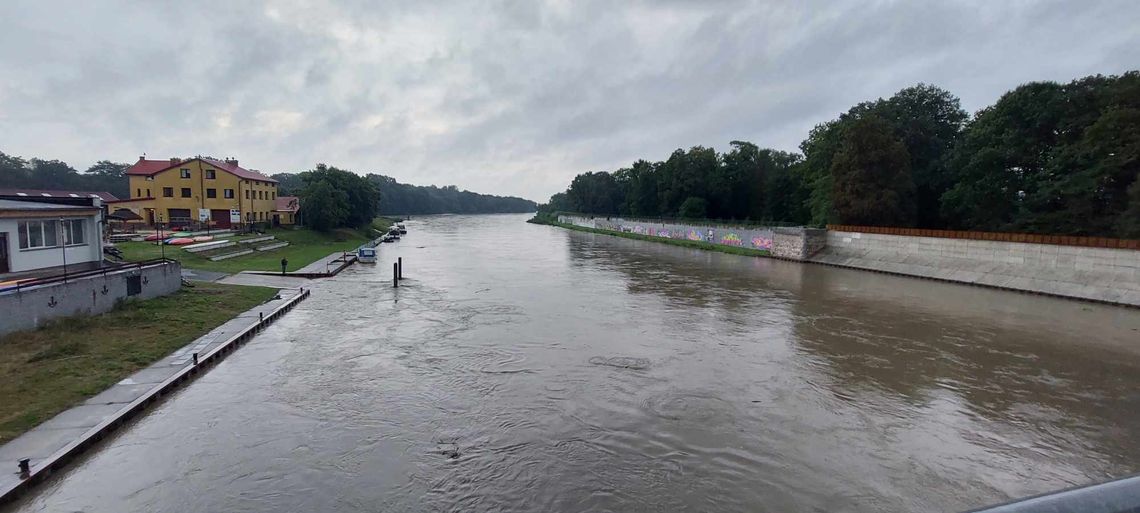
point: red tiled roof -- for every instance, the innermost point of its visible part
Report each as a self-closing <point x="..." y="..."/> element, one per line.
<point x="42" y="193"/>
<point x="287" y="204"/>
<point x="241" y="172"/>
<point x="150" y="167"/>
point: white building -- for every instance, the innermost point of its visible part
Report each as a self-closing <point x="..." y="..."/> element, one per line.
<point x="38" y="236"/>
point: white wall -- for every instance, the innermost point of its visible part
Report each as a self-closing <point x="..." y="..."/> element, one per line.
<point x="1099" y="274"/>
<point x="30" y="308"/>
<point x="28" y="260"/>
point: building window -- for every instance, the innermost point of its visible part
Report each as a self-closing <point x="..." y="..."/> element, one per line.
<point x="37" y="234"/>
<point x="211" y="193"/>
<point x="73" y="232"/>
<point x="210" y="174"/>
<point x="185" y="172"/>
<point x="260" y="194"/>
<point x="247" y="194"/>
<point x="274" y="194"/>
<point x="138" y="193"/>
<point x="185" y="192"/>
<point x="228" y="193"/>
<point x="148" y="193"/>
<point x="168" y="192"/>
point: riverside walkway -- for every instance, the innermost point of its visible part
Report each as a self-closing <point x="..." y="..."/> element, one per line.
<point x="54" y="441"/>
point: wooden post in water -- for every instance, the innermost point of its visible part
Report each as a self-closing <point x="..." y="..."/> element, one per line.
<point x="400" y="267"/>
<point x="395" y="274"/>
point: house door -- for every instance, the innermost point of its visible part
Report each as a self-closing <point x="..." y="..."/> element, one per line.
<point x="3" y="252"/>
<point x="276" y="220"/>
<point x="221" y="218"/>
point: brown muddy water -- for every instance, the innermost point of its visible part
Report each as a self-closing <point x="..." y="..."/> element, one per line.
<point x="531" y="368"/>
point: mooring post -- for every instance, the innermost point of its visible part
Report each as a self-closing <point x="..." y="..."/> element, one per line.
<point x="400" y="267"/>
<point x="24" y="467"/>
<point x="395" y="274"/>
<point x="261" y="316"/>
<point x="195" y="359"/>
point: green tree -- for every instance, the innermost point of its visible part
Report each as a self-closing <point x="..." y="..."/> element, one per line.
<point x="105" y="169"/>
<point x="1002" y="158"/>
<point x="928" y="121"/>
<point x="1128" y="225"/>
<point x="871" y="182"/>
<point x="694" y="208"/>
<point x="324" y="207"/>
<point x="362" y="198"/>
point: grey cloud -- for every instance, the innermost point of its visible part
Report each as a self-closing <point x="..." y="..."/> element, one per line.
<point x="511" y="97"/>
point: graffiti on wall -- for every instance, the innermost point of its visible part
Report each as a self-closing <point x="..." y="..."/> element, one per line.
<point x="755" y="238"/>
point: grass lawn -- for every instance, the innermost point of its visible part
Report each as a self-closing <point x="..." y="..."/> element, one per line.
<point x="305" y="247"/>
<point x="59" y="365"/>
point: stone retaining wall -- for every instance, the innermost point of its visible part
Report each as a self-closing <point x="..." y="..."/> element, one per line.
<point x="1090" y="273"/>
<point x="790" y="243"/>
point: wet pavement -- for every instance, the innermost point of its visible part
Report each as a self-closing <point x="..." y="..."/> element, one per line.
<point x="530" y="368"/>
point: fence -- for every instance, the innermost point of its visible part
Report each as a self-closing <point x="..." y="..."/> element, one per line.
<point x="1028" y="238"/>
<point x="19" y="285"/>
<point x="727" y="223"/>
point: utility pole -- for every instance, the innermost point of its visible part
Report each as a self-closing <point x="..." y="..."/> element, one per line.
<point x="62" y="239"/>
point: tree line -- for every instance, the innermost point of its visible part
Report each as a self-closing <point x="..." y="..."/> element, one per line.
<point x="1045" y="158"/>
<point x="397" y="198"/>
<point x="103" y="176"/>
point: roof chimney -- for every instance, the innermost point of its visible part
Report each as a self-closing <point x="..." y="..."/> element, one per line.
<point x="142" y="157"/>
<point x="232" y="161"/>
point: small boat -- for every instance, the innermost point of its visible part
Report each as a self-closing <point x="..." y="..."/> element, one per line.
<point x="387" y="239"/>
<point x="366" y="255"/>
<point x="400" y="228"/>
<point x="180" y="241"/>
<point x="203" y="238"/>
<point x="155" y="236"/>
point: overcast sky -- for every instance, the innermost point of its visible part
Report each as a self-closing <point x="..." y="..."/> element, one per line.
<point x="505" y="97"/>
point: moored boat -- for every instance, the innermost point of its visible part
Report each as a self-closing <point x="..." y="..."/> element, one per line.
<point x="366" y="255"/>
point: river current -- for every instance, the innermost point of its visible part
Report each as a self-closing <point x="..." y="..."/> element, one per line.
<point x="531" y="368"/>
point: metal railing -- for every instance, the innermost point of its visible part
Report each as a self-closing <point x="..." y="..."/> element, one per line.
<point x="102" y="271"/>
<point x="1118" y="496"/>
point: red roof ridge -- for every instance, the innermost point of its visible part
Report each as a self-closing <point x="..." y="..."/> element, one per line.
<point x="146" y="167"/>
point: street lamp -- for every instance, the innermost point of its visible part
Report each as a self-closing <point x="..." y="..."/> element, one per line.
<point x="161" y="243"/>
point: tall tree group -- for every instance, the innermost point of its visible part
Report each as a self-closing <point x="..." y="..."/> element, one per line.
<point x="335" y="198"/>
<point x="1046" y="158"/>
<point x="103" y="176"/>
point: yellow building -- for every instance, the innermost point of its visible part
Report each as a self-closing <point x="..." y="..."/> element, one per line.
<point x="191" y="192"/>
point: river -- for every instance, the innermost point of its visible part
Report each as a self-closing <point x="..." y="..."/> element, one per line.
<point x="531" y="368"/>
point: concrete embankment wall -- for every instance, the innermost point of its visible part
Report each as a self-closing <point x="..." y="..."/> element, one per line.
<point x="790" y="243"/>
<point x="31" y="307"/>
<point x="1090" y="273"/>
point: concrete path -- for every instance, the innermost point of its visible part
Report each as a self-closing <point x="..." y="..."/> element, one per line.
<point x="198" y="275"/>
<point x="265" y="280"/>
<point x="45" y="440"/>
<point x="326" y="264"/>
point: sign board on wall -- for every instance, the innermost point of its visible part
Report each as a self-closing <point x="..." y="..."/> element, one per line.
<point x="235" y="215"/>
<point x="203" y="214"/>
